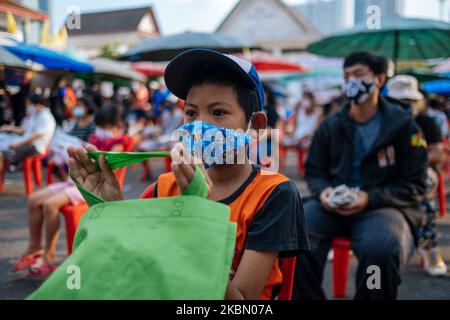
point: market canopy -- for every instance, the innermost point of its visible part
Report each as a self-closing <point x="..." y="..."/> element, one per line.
<point x="443" y="67"/>
<point x="9" y="60"/>
<point x="266" y="62"/>
<point x="116" y="69"/>
<point x="423" y="76"/>
<point x="437" y="87"/>
<point x="398" y="38"/>
<point x="50" y="59"/>
<point x="166" y="48"/>
<point x="150" y="69"/>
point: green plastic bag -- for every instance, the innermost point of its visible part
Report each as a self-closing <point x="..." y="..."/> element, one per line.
<point x="163" y="248"/>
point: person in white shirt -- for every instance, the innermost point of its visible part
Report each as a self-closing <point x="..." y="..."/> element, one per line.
<point x="307" y="119"/>
<point x="32" y="137"/>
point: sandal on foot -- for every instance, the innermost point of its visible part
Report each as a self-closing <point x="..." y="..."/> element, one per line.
<point x="27" y="260"/>
<point x="41" y="269"/>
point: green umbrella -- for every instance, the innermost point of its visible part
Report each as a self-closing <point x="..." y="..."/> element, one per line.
<point x="314" y="73"/>
<point x="398" y="38"/>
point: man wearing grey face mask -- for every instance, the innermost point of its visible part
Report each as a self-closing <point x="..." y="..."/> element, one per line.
<point x="374" y="146"/>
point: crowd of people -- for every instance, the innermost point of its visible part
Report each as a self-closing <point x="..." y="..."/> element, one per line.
<point x="382" y="138"/>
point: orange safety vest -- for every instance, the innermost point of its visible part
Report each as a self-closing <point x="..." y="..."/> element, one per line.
<point x="243" y="210"/>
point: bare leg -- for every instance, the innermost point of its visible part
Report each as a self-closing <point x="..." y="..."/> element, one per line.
<point x="51" y="216"/>
<point x="36" y="218"/>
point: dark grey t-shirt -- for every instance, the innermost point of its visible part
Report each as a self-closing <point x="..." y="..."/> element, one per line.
<point x="363" y="138"/>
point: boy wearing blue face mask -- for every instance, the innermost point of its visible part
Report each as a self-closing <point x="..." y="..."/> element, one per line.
<point x="222" y="93"/>
<point x="373" y="145"/>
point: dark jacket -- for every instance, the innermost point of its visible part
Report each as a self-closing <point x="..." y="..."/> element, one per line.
<point x="394" y="170"/>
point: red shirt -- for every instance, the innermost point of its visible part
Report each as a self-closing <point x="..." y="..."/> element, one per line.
<point x="106" y="144"/>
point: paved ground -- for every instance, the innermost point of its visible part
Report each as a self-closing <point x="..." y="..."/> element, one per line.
<point x="14" y="235"/>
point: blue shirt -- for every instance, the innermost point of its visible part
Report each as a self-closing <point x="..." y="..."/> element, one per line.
<point x="364" y="136"/>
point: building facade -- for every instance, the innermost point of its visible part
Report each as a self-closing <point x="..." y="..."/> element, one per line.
<point x="120" y="29"/>
<point x="328" y="16"/>
<point x="388" y="8"/>
<point x="28" y="15"/>
<point x="269" y="24"/>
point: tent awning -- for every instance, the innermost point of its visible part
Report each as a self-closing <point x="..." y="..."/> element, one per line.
<point x="116" y="69"/>
<point x="9" y="60"/>
<point x="50" y="59"/>
<point x="166" y="48"/>
<point x="150" y="69"/>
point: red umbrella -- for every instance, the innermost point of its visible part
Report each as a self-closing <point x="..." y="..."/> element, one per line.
<point x="265" y="62"/>
<point x="150" y="69"/>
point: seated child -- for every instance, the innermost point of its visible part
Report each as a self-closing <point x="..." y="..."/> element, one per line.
<point x="44" y="204"/>
<point x="224" y="91"/>
<point x="82" y="124"/>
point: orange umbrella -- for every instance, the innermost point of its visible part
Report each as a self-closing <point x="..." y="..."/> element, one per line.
<point x="150" y="69"/>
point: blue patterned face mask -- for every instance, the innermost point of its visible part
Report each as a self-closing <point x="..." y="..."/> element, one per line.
<point x="211" y="144"/>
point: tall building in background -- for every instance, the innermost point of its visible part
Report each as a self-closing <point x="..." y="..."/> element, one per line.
<point x="328" y="16"/>
<point x="389" y="8"/>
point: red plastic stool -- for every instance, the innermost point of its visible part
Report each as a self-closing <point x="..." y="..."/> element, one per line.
<point x="72" y="214"/>
<point x="168" y="161"/>
<point x="447" y="154"/>
<point x="288" y="270"/>
<point x="301" y="157"/>
<point x="341" y="249"/>
<point x="50" y="168"/>
<point x="441" y="194"/>
<point x="302" y="153"/>
<point x="147" y="169"/>
<point x="2" y="177"/>
<point x="31" y="167"/>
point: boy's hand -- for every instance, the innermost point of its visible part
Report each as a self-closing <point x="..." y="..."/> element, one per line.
<point x="183" y="167"/>
<point x="102" y="183"/>
<point x="323" y="199"/>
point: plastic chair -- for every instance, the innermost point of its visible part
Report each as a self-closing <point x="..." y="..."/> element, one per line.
<point x="32" y="167"/>
<point x="72" y="213"/>
<point x="447" y="155"/>
<point x="50" y="168"/>
<point x="341" y="248"/>
<point x="442" y="195"/>
<point x="147" y="168"/>
<point x="287" y="265"/>
<point x="288" y="270"/>
<point x="301" y="157"/>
